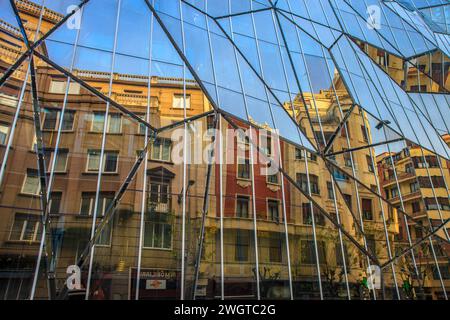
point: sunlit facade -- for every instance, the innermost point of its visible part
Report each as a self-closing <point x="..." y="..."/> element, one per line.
<point x="224" y="150"/>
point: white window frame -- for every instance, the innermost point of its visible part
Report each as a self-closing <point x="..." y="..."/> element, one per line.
<point x="2" y="126"/>
<point x="24" y="183"/>
<point x="181" y="96"/>
<point x="104" y="162"/>
<point x="92" y="204"/>
<point x="249" y="168"/>
<point x="66" y="152"/>
<point x="24" y="227"/>
<point x="74" y="88"/>
<point x="108" y="129"/>
<point x="153" y="238"/>
<point x="161" y="146"/>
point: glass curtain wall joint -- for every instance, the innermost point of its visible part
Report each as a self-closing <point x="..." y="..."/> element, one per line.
<point x="178" y="149"/>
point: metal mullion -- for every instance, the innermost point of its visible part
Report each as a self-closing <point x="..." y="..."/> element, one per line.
<point x="185" y="138"/>
<point x="144" y="183"/>
<point x="280" y="160"/>
<point x="102" y="153"/>
<point x="220" y="142"/>
<point x="252" y="160"/>
<point x="222" y="267"/>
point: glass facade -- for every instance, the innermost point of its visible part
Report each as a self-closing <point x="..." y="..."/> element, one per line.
<point x="240" y="149"/>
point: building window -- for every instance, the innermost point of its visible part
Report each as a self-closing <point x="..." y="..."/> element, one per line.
<point x="110" y="161"/>
<point x="338" y="250"/>
<point x="415" y="206"/>
<point x="52" y="119"/>
<point x="159" y="199"/>
<point x="142" y="127"/>
<point x="298" y="154"/>
<point x="308" y="253"/>
<point x="442" y="204"/>
<point x="414" y="187"/>
<point x="319" y="219"/>
<point x="429" y="161"/>
<point x="178" y="101"/>
<point x="445" y="273"/>
<point x="114" y="124"/>
<point x="25" y="228"/>
<point x="242" y="206"/>
<point x="370" y="164"/>
<point x="266" y="145"/>
<point x="273" y="210"/>
<point x="275" y="248"/>
<point x="302" y="180"/>
<point x="340" y="175"/>
<point x="272" y="178"/>
<point x="61" y="160"/>
<point x="348" y="200"/>
<point x="330" y="190"/>
<point x="59" y="87"/>
<point x="242" y="245"/>
<point x="55" y="203"/>
<point x="364" y="134"/>
<point x="409" y="168"/>
<point x="31" y="184"/>
<point x="105" y="236"/>
<point x="88" y="203"/>
<point x="243" y="168"/>
<point x="394" y="192"/>
<point x="419" y="232"/>
<point x="4" y="131"/>
<point x="347" y="158"/>
<point x="371" y="244"/>
<point x="161" y="149"/>
<point x="158" y="234"/>
<point x="367" y="209"/>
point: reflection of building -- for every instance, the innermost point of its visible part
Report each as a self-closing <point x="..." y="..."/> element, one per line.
<point x="424" y="198"/>
<point x="426" y="73"/>
<point x="250" y="200"/>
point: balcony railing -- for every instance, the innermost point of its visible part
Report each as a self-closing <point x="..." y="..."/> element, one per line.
<point x="160" y="207"/>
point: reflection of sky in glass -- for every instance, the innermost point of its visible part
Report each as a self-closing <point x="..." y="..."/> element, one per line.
<point x="234" y="79"/>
